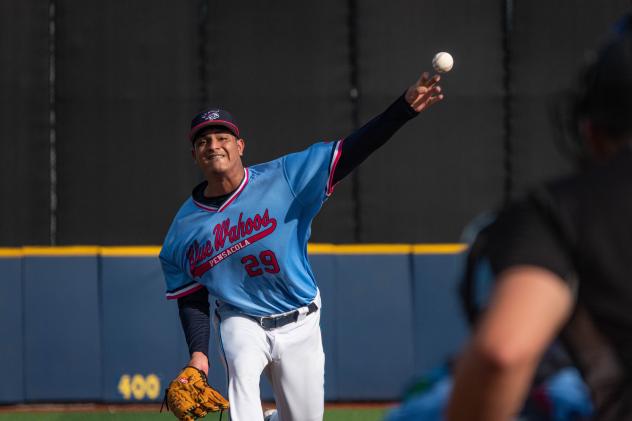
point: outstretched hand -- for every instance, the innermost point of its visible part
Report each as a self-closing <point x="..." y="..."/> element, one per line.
<point x="423" y="93"/>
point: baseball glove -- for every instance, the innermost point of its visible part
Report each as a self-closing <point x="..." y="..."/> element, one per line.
<point x="190" y="397"/>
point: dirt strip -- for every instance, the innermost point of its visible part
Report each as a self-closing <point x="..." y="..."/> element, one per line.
<point x="152" y="407"/>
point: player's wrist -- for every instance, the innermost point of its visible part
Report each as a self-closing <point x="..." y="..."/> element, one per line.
<point x="200" y="361"/>
<point x="403" y="107"/>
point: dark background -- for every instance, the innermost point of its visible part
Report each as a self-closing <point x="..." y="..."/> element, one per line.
<point x="96" y="98"/>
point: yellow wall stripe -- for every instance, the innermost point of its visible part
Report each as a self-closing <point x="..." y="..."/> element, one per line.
<point x="11" y="252"/>
<point x="60" y="251"/>
<point x="152" y="251"/>
<point x="359" y="248"/>
<point x="438" y="248"/>
<point x="142" y="251"/>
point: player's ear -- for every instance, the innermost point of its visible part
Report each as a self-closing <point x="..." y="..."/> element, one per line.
<point x="241" y="145"/>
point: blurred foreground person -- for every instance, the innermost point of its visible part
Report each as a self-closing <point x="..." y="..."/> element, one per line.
<point x="562" y="261"/>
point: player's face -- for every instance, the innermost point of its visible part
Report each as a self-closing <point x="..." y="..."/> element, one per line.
<point x="217" y="151"/>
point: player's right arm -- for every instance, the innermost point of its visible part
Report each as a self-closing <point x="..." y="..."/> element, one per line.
<point x="324" y="165"/>
<point x="364" y="141"/>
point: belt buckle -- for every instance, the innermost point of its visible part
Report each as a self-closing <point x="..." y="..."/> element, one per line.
<point x="278" y="321"/>
<point x="301" y="313"/>
<point x="268" y="322"/>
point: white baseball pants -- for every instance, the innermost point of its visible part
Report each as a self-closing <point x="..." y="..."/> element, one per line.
<point x="291" y="356"/>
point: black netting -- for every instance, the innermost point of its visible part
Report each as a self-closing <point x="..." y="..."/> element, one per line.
<point x="127" y="85"/>
<point x="446" y="166"/>
<point x="24" y="129"/>
<point x="550" y="41"/>
<point x="130" y="76"/>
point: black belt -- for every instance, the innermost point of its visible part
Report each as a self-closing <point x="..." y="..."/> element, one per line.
<point x="271" y="322"/>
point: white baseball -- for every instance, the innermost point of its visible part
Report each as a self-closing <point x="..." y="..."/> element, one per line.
<point x="442" y="62"/>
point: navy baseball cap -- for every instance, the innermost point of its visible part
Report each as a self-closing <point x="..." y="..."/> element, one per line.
<point x="213" y="117"/>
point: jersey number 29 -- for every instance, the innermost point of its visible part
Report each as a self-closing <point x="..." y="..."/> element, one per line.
<point x="267" y="260"/>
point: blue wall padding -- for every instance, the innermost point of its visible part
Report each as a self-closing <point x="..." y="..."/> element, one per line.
<point x="373" y="325"/>
<point x="62" y="359"/>
<point x="77" y="325"/>
<point x="141" y="328"/>
<point x="324" y="270"/>
<point x="439" y="321"/>
<point x="11" y="337"/>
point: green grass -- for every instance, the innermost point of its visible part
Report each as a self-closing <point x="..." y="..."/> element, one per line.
<point x="355" y="414"/>
<point x="330" y="415"/>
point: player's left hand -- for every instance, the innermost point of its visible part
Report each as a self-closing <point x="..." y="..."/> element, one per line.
<point x="423" y="93"/>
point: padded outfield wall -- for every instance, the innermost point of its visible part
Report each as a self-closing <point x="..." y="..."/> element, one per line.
<point x="97" y="96"/>
<point x="93" y="324"/>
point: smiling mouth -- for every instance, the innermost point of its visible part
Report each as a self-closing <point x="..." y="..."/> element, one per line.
<point x="214" y="156"/>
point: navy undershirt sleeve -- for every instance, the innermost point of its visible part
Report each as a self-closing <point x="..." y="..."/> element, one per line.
<point x="363" y="142"/>
<point x="194" y="316"/>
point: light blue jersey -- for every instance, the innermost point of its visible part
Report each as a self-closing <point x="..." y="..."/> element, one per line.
<point x="252" y="251"/>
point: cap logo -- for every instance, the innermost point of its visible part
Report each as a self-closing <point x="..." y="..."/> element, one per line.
<point x="210" y="115"/>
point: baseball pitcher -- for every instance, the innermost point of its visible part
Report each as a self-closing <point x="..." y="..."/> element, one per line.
<point x="242" y="238"/>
